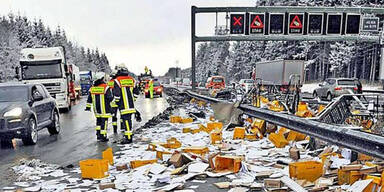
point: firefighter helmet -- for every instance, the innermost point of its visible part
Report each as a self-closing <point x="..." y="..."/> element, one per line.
<point x="100" y="75"/>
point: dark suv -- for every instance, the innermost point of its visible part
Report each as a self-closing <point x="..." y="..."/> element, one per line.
<point x="24" y="110"/>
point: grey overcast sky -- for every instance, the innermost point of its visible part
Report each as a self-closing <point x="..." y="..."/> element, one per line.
<point x="153" y="33"/>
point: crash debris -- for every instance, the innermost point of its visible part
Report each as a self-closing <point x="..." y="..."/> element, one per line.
<point x="186" y="148"/>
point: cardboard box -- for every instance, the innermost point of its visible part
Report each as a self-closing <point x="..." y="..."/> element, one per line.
<point x="121" y="167"/>
<point x="178" y="160"/>
<point x="103" y="186"/>
<point x="294" y="153"/>
<point x="272" y="183"/>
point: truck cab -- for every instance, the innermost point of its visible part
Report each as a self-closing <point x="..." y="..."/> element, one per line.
<point x="48" y="67"/>
<point x="86" y="79"/>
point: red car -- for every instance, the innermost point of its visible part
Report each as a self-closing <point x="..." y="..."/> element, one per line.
<point x="157" y="89"/>
<point x="215" y="82"/>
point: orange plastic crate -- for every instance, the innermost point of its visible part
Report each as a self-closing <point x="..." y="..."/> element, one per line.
<point x="227" y="163"/>
<point x="139" y="163"/>
<point x="278" y="140"/>
<point x="308" y="170"/>
<point x="239" y="133"/>
<point x="108" y="155"/>
<point x="94" y="168"/>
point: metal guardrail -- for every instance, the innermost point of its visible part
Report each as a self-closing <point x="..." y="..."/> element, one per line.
<point x="362" y="142"/>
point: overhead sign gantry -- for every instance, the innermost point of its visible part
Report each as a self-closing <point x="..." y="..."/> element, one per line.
<point x="293" y="23"/>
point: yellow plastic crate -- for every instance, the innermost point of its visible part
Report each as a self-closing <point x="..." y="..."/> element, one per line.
<point x="308" y="170"/>
<point x="374" y="185"/>
<point x="239" y="133"/>
<point x="214" y="125"/>
<point x="108" y="155"/>
<point x="216" y="137"/>
<point x="187" y="130"/>
<point x="139" y="163"/>
<point x="186" y="120"/>
<point x="251" y="137"/>
<point x="94" y="168"/>
<point x="194" y="131"/>
<point x="159" y="154"/>
<point x="172" y="143"/>
<point x="295" y="136"/>
<point x="197" y="150"/>
<point x="278" y="140"/>
<point x="260" y="125"/>
<point x="348" y="177"/>
<point x="175" y="119"/>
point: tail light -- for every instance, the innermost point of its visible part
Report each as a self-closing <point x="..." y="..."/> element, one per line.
<point x="337" y="88"/>
<point x="355" y="88"/>
<point x="243" y="85"/>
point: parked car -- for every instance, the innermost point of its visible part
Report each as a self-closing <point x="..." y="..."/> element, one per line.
<point x="334" y="87"/>
<point x="246" y="84"/>
<point x="26" y="109"/>
<point x="215" y="82"/>
<point x="157" y="89"/>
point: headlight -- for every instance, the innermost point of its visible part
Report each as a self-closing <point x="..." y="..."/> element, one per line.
<point x="16" y="112"/>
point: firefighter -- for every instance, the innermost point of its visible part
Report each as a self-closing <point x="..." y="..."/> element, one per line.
<point x="150" y="86"/>
<point x="114" y="106"/>
<point x="124" y="92"/>
<point x="100" y="97"/>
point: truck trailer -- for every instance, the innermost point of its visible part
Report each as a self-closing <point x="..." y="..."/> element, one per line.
<point x="278" y="72"/>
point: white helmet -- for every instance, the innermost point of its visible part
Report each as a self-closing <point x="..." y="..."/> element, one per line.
<point x="100" y="75"/>
<point x="121" y="67"/>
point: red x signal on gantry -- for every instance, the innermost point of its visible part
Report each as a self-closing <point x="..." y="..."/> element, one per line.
<point x="237" y="20"/>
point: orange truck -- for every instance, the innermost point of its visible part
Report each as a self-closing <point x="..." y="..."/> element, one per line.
<point x="215" y="82"/>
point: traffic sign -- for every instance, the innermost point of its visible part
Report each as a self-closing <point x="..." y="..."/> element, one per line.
<point x="237" y="24"/>
<point x="334" y="22"/>
<point x="256" y="25"/>
<point x="315" y="23"/>
<point x="276" y="23"/>
<point x="370" y="24"/>
<point x="296" y="21"/>
<point x="352" y="26"/>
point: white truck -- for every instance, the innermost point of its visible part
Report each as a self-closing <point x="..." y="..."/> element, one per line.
<point x="48" y="66"/>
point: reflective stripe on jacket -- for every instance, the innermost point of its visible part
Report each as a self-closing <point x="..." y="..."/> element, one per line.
<point x="123" y="92"/>
<point x="100" y="99"/>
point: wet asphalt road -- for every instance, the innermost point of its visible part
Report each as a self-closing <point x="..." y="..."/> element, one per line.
<point x="76" y="141"/>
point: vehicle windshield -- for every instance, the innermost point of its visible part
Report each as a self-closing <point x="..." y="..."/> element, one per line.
<point x="248" y="81"/>
<point x="85" y="79"/>
<point x="156" y="84"/>
<point x="13" y="94"/>
<point x="347" y="82"/>
<point x="41" y="69"/>
<point x="217" y="80"/>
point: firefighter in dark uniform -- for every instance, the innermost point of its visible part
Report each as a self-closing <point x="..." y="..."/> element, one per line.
<point x="124" y="92"/>
<point x="114" y="107"/>
<point x="100" y="98"/>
